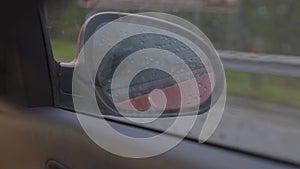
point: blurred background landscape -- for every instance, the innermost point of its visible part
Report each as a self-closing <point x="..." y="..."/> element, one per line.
<point x="259" y="26"/>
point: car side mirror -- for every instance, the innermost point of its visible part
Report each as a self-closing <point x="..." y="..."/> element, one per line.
<point x="166" y="91"/>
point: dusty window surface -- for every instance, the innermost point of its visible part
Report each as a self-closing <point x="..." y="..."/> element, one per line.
<point x="262" y="111"/>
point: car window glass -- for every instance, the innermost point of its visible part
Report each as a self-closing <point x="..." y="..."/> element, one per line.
<point x="262" y="110"/>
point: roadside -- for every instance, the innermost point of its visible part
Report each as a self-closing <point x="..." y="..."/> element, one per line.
<point x="260" y="127"/>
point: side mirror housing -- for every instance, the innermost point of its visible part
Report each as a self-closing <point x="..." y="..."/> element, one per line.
<point x="151" y="87"/>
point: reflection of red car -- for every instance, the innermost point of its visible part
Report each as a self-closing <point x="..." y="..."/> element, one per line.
<point x="172" y="95"/>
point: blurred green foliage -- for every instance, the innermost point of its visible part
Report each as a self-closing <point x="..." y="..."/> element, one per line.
<point x="63" y="51"/>
<point x="279" y="89"/>
<point x="265" y="26"/>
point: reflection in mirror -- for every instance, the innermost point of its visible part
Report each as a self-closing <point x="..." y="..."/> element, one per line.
<point x="150" y="86"/>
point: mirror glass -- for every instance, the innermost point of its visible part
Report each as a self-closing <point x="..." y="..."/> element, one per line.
<point x="150" y="88"/>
